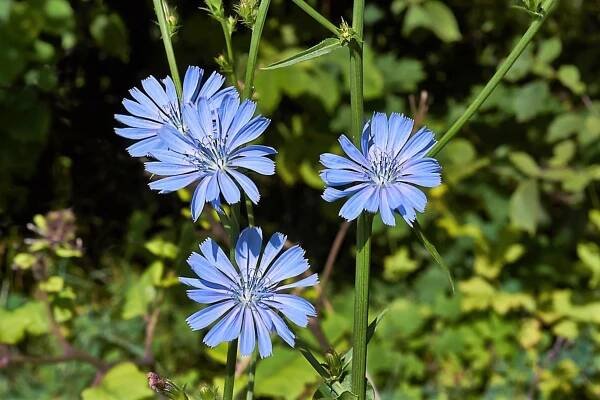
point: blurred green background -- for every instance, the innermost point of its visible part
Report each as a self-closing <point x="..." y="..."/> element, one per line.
<point x="89" y="302"/>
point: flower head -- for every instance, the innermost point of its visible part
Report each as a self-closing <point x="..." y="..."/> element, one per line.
<point x="212" y="152"/>
<point x="159" y="106"/>
<point x="248" y="299"/>
<point x="383" y="175"/>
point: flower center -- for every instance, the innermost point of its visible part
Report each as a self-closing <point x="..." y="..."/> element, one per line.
<point x="385" y="167"/>
<point x="210" y="154"/>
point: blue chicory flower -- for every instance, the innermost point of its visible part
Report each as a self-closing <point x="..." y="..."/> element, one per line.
<point x="159" y="106"/>
<point x="383" y="175"/>
<point x="247" y="300"/>
<point x="212" y="152"/>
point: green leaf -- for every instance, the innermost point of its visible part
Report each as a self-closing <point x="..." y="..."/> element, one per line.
<point x="434" y="253"/>
<point x="283" y="375"/>
<point x="569" y="76"/>
<point x="563" y="126"/>
<point x="326" y="46"/>
<point x="122" y="382"/>
<point x="24" y="260"/>
<point x="525" y="207"/>
<point x="347" y="357"/>
<point x="162" y="248"/>
<point x="525" y="163"/>
<point x="434" y="16"/>
<point x="549" y="50"/>
<point x="142" y="292"/>
<point x="31" y="318"/>
<point x="111" y="35"/>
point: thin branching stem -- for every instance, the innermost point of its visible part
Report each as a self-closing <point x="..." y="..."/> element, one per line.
<point x="502" y="70"/>
<point x="324" y="22"/>
<point x="363" y="229"/>
<point x="165" y="32"/>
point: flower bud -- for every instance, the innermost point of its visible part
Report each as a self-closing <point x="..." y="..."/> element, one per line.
<point x="247" y="10"/>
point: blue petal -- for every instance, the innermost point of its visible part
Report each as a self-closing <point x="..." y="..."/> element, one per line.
<point x="208" y="296"/>
<point x="199" y="198"/>
<point x="261" y="165"/>
<point x="171" y="92"/>
<point x="281" y="328"/>
<point x="373" y="204"/>
<point x="253" y="150"/>
<point x="228" y="188"/>
<point x="248" y="133"/>
<point x="339" y="177"/>
<point x="226" y="329"/>
<point x="213" y="253"/>
<point x="290" y="263"/>
<point x="218" y="98"/>
<point x="379" y="128"/>
<point x="174" y="140"/>
<point x="400" y="128"/>
<point x="272" y="249"/>
<point x="352" y="151"/>
<point x="332" y="194"/>
<point x="265" y="347"/>
<point x="242" y="117"/>
<point x="145" y="147"/>
<point x="208" y="271"/>
<point x="418" y="145"/>
<point x="168" y="156"/>
<point x="203" y="318"/>
<point x="155" y="91"/>
<point x="312" y="280"/>
<point x="191" y="83"/>
<point x="334" y="161"/>
<point x="296" y="302"/>
<point x="227" y="111"/>
<point x="247" y="251"/>
<point x="146" y="102"/>
<point x="366" y="139"/>
<point x="136" y="122"/>
<point x="247" y="185"/>
<point x="423" y="172"/>
<point x="387" y="216"/>
<point x="415" y="197"/>
<point x="212" y="190"/>
<point x="212" y="84"/>
<point x="162" y="168"/>
<point x="139" y="110"/>
<point x="174" y="183"/>
<point x="248" y="335"/>
<point x="135" y="133"/>
<point x="356" y="204"/>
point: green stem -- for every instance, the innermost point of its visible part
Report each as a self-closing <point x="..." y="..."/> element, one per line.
<point x="361" y="305"/>
<point x="166" y="37"/>
<point x="363" y="230"/>
<point x="229" y="47"/>
<point x="232" y="226"/>
<point x="257" y="29"/>
<point x="534" y="27"/>
<point x="251" y="376"/>
<point x="317" y="16"/>
<point x="230" y="370"/>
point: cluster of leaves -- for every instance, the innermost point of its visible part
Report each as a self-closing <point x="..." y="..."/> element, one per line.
<point x="517" y="219"/>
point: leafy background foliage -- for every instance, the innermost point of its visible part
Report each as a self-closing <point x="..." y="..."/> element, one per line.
<point x="517" y="220"/>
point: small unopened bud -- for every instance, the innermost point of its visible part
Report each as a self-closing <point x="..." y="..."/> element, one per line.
<point x="215" y="8"/>
<point x="333" y="363"/>
<point x="247" y="10"/>
<point x="224" y="64"/>
<point x="171" y="18"/>
<point x="208" y="392"/>
<point x="166" y="387"/>
<point x="345" y="33"/>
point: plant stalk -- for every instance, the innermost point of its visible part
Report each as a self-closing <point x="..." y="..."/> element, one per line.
<point x="166" y="38"/>
<point x="252" y="376"/>
<point x="325" y="23"/>
<point x="257" y="30"/>
<point x="502" y="70"/>
<point x="229" y="48"/>
<point x="233" y="225"/>
<point x="363" y="230"/>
